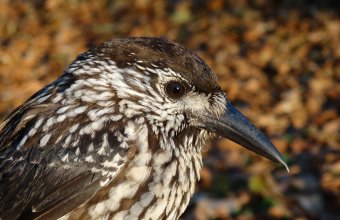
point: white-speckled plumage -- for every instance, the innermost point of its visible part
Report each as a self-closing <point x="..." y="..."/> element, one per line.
<point x="109" y="129"/>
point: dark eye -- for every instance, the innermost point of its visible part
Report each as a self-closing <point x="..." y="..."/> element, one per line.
<point x="175" y="89"/>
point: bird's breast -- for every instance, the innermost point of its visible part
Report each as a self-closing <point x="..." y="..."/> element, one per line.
<point x="153" y="186"/>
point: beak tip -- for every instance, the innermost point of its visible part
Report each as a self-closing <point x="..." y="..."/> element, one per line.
<point x="287" y="168"/>
<point x="285" y="165"/>
<point x="279" y="159"/>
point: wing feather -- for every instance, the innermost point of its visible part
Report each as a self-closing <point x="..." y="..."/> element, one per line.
<point x="65" y="198"/>
<point x="47" y="182"/>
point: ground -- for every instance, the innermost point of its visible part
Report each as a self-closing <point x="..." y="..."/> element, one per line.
<point x="278" y="61"/>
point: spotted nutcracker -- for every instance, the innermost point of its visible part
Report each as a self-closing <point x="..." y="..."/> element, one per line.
<point x="118" y="135"/>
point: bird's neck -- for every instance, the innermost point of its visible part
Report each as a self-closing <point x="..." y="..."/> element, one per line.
<point x="157" y="183"/>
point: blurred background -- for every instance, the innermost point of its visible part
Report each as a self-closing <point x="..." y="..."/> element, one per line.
<point x="278" y="61"/>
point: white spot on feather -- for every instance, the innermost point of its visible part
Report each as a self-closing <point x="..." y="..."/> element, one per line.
<point x="79" y="110"/>
<point x="22" y="142"/>
<point x="44" y="140"/>
<point x="138" y="174"/>
<point x="62" y="109"/>
<point x="74" y="128"/>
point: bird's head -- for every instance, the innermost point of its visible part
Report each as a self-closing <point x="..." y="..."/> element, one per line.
<point x="163" y="84"/>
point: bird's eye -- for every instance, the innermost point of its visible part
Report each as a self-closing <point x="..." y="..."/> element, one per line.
<point x="175" y="89"/>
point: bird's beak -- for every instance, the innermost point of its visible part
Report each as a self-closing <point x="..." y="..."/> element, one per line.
<point x="236" y="127"/>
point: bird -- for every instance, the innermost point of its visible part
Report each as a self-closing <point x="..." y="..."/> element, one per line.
<point x="118" y="135"/>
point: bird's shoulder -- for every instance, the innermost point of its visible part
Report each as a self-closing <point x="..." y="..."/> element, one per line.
<point x="54" y="157"/>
